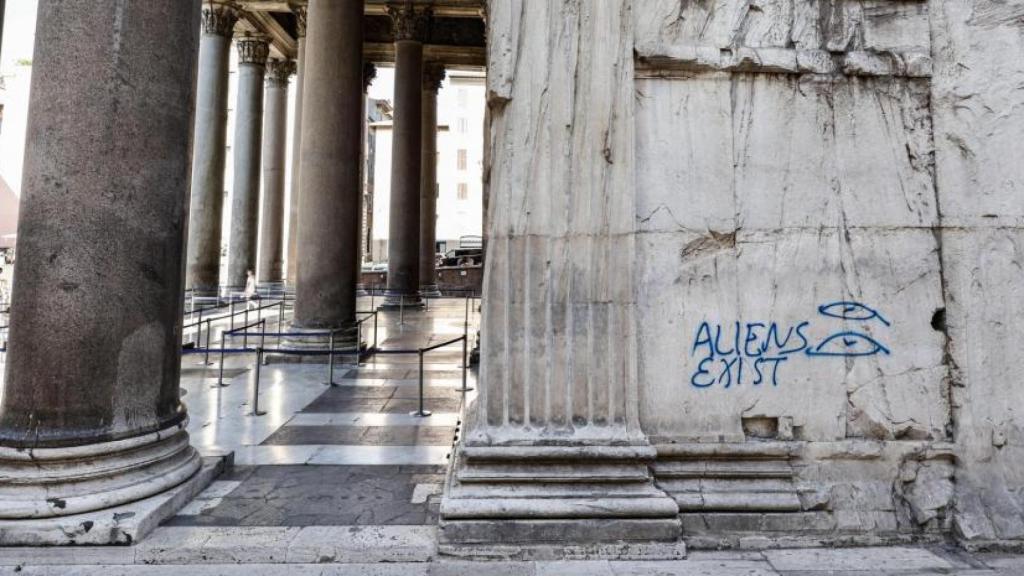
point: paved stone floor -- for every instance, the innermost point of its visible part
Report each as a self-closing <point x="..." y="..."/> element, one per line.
<point x="307" y="552"/>
<point x="344" y="455"/>
<point x="343" y="481"/>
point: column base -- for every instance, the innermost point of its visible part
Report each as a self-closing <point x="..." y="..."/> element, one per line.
<point x="300" y="350"/>
<point x="394" y="302"/>
<point x="121" y="525"/>
<point x="430" y="291"/>
<point x="535" y="501"/>
<point x="49" y="482"/>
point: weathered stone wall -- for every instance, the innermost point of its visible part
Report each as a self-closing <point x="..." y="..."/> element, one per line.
<point x="978" y="114"/>
<point x="812" y="312"/>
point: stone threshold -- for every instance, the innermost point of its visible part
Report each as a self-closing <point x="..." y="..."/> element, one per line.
<point x="174" y="545"/>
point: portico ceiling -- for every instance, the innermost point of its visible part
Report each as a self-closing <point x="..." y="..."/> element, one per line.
<point x="456" y="38"/>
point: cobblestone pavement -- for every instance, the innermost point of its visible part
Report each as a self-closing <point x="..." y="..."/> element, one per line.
<point x="256" y="553"/>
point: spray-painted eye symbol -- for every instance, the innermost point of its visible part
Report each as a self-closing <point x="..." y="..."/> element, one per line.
<point x="848" y="344"/>
<point x="851" y="311"/>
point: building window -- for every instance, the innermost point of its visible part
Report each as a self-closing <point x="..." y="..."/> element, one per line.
<point x="463" y="191"/>
<point x="463" y="125"/>
<point x="462" y="160"/>
<point x="463" y="97"/>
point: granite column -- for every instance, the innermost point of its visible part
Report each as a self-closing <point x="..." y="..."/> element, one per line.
<point x="90" y="415"/>
<point x="369" y="74"/>
<point x="245" y="198"/>
<point x="328" y="270"/>
<point x="275" y="140"/>
<point x="210" y="148"/>
<point x="293" y="200"/>
<point x="433" y="76"/>
<point x="410" y="26"/>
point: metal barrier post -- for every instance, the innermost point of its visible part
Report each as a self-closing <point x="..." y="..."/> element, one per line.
<point x="232" y="313"/>
<point x="256" y="391"/>
<point x="206" y="353"/>
<point x="245" y="335"/>
<point x="465" y="349"/>
<point x="401" y="311"/>
<point x="280" y="320"/>
<point x="374" y="329"/>
<point x="220" y="377"/>
<point x="263" y="334"/>
<point x="330" y="364"/>
<point x="359" y="342"/>
<point x="421" y="413"/>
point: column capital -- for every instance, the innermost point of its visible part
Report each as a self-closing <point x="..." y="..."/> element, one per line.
<point x="279" y="72"/>
<point x="409" y="22"/>
<point x="369" y="74"/>
<point x="433" y="76"/>
<point x="219" y="17"/>
<point x="299" y="10"/>
<point x="253" y="49"/>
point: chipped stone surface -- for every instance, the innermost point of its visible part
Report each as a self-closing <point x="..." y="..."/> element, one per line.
<point x="823" y="249"/>
<point x="977" y="103"/>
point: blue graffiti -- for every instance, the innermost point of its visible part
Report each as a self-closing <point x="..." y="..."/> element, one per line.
<point x="851" y="311"/>
<point x="737" y="353"/>
<point x="849" y="345"/>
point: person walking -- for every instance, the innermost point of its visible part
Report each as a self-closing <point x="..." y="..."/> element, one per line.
<point x="252" y="296"/>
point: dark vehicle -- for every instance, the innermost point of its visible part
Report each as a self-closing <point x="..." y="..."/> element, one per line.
<point x="463" y="257"/>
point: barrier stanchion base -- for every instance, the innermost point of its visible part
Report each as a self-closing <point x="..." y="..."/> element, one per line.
<point x="420" y="414"/>
<point x="260" y="413"/>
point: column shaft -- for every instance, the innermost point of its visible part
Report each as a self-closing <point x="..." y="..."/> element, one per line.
<point x="293" y="201"/>
<point x="404" y="229"/>
<point x="410" y="26"/>
<point x="245" y="197"/>
<point x="209" y="154"/>
<point x="433" y="76"/>
<point x="91" y="385"/>
<point x="275" y="139"/>
<point x="330" y="174"/>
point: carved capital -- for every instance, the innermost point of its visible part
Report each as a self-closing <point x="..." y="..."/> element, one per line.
<point x="299" y="10"/>
<point x="253" y="49"/>
<point x="410" y="22"/>
<point x="279" y="72"/>
<point x="433" y="76"/>
<point x="369" y="73"/>
<point x="219" y="18"/>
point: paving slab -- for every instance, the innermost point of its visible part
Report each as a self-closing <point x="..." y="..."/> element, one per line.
<point x="693" y="568"/>
<point x="877" y="560"/>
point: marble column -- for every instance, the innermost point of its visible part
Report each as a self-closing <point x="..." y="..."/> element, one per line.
<point x="433" y="76"/>
<point x="245" y="198"/>
<point x="410" y="25"/>
<point x="558" y="410"/>
<point x="293" y="201"/>
<point x="275" y="142"/>
<point x="325" y="295"/>
<point x="90" y="415"/>
<point x="210" y="148"/>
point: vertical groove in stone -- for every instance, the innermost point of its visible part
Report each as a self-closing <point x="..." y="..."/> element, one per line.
<point x="561" y="218"/>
